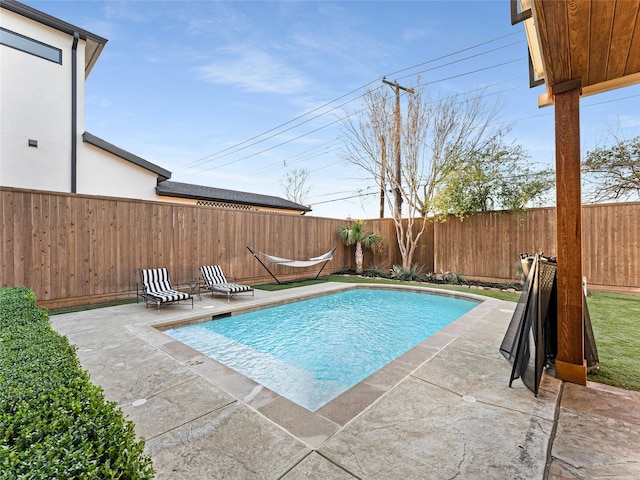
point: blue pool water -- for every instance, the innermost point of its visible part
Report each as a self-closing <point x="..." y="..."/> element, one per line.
<point x="312" y="350"/>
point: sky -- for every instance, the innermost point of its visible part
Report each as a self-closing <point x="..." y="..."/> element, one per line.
<point x="236" y="94"/>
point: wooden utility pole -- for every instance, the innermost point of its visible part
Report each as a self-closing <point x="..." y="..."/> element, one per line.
<point x="398" y="141"/>
<point x="383" y="172"/>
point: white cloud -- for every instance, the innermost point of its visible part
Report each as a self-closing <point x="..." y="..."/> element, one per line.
<point x="98" y="101"/>
<point x="413" y="34"/>
<point x="253" y="70"/>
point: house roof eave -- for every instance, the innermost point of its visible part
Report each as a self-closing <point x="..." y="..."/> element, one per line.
<point x="213" y="194"/>
<point x="162" y="173"/>
<point x="95" y="43"/>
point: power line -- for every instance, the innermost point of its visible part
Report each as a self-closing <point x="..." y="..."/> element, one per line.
<point x="359" y="195"/>
<point x="227" y="151"/>
<point x="435" y="81"/>
<point x="461" y="60"/>
<point x="550" y="112"/>
<point x="240" y="146"/>
<point x="311" y="154"/>
<point x="337" y="121"/>
<point x="332" y="193"/>
<point x="318" y="116"/>
<point x="247" y="143"/>
<point x="327" y="148"/>
<point x="473" y="71"/>
<point x="454" y="53"/>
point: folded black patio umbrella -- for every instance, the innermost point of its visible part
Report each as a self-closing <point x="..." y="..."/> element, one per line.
<point x="531" y="340"/>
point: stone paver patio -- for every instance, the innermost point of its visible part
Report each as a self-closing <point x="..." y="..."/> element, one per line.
<point x="442" y="410"/>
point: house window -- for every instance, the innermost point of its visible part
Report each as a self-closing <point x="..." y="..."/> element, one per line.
<point x="29" y="45"/>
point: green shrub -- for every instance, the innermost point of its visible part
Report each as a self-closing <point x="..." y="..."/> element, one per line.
<point x="429" y="277"/>
<point x="401" y="273"/>
<point x="53" y="422"/>
<point x="377" y="270"/>
<point x="453" y="278"/>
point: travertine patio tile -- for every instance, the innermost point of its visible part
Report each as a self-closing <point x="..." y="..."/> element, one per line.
<point x="481" y="340"/>
<point x="316" y="467"/>
<point x="487" y="380"/>
<point x="419" y="430"/>
<point x="350" y="403"/>
<point x="174" y="407"/>
<point x="606" y="402"/>
<point x="132" y="377"/>
<point x="308" y="426"/>
<point x="92" y="339"/>
<point x="230" y="443"/>
<point x="597" y="436"/>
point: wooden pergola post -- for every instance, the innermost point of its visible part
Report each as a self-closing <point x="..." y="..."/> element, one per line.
<point x="570" y="362"/>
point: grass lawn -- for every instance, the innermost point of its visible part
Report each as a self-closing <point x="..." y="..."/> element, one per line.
<point x="616" y="327"/>
<point x="61" y="311"/>
<point x="615" y="319"/>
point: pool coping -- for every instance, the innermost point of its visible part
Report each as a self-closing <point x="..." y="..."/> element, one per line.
<point x="312" y="428"/>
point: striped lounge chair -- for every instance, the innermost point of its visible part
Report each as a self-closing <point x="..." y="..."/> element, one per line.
<point x="214" y="280"/>
<point x="156" y="288"/>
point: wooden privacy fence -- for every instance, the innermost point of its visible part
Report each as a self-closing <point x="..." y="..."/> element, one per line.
<point x="79" y="249"/>
<point x="390" y="254"/>
<point x="487" y="245"/>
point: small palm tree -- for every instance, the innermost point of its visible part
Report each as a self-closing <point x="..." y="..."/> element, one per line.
<point x="357" y="235"/>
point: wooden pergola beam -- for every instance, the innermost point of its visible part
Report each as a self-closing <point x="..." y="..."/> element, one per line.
<point x="578" y="47"/>
<point x="570" y="362"/>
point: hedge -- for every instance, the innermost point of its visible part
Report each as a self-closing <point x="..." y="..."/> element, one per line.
<point x="54" y="423"/>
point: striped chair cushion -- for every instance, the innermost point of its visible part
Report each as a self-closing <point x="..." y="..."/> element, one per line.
<point x="168" y="295"/>
<point x="230" y="288"/>
<point x="213" y="275"/>
<point x="215" y="280"/>
<point x="155" y="279"/>
<point x="157" y="284"/>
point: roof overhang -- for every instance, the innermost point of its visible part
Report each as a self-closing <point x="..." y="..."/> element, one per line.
<point x="162" y="173"/>
<point x="594" y="42"/>
<point x="222" y="195"/>
<point x="94" y="43"/>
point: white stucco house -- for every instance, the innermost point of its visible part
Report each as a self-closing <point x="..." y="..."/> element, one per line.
<point x="44" y="62"/>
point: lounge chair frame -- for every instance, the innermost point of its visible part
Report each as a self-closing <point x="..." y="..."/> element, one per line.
<point x="214" y="280"/>
<point x="156" y="288"/>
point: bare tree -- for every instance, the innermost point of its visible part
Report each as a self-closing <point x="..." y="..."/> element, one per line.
<point x="294" y="185"/>
<point x="430" y="129"/>
<point x="613" y="172"/>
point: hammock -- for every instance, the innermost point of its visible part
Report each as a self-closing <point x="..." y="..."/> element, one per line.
<point x="299" y="263"/>
<point x="286" y="262"/>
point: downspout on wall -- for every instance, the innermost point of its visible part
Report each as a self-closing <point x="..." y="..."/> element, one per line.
<point x="74" y="110"/>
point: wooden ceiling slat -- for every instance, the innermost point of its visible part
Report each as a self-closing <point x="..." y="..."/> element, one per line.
<point x="600" y="41"/>
<point x="555" y="40"/>
<point x="633" y="60"/>
<point x="541" y="26"/>
<point x="622" y="33"/>
<point x="579" y="16"/>
<point x="596" y="41"/>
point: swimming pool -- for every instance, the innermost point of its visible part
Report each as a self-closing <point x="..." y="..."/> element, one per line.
<point x="313" y="350"/>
